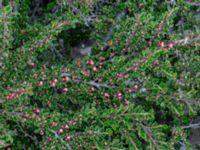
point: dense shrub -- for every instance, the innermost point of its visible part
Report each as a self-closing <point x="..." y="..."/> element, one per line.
<point x="138" y="89"/>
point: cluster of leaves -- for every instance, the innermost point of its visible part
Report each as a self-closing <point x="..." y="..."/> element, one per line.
<point x="135" y="94"/>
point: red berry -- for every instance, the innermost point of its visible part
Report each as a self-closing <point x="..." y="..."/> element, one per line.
<point x="65" y="90"/>
<point x="55" y="80"/>
<point x="135" y="87"/>
<point x="106" y="95"/>
<point x="66" y="126"/>
<point x="114" y="105"/>
<point x="156" y="63"/>
<point x="119" y="98"/>
<point x="126" y="76"/>
<point x="44" y="67"/>
<point x="66" y="79"/>
<point x="161" y="44"/>
<point x="49" y="139"/>
<point x="125" y="102"/>
<point x="119" y="94"/>
<point x="32" y="64"/>
<point x="60" y="131"/>
<point x="142" y="32"/>
<point x="129" y="90"/>
<point x="8" y="148"/>
<point x="12" y="95"/>
<point x="92" y="89"/>
<point x="36" y="111"/>
<point x="34" y="76"/>
<point x="40" y="83"/>
<point x="68" y="138"/>
<point x="94" y="68"/>
<point x="170" y="45"/>
<point x="54" y="124"/>
<point x="53" y="84"/>
<point x="90" y="62"/>
<point x="71" y="122"/>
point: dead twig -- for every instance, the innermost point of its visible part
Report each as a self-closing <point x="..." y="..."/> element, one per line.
<point x="193" y="3"/>
<point x="28" y="135"/>
<point x="149" y="134"/>
<point x="92" y="83"/>
<point x="187" y="40"/>
<point x="194" y="126"/>
<point x="61" y="139"/>
<point x="1" y="4"/>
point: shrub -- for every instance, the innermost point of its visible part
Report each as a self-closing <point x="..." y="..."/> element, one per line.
<point x="138" y="89"/>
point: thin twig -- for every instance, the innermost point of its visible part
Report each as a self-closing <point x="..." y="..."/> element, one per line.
<point x="183" y="146"/>
<point x="131" y="140"/>
<point x="186" y="40"/>
<point x="98" y="85"/>
<point x="193" y="3"/>
<point x="195" y="125"/>
<point x="12" y="113"/>
<point x="92" y="83"/>
<point x="28" y="135"/>
<point x="1" y="4"/>
<point x="150" y="136"/>
<point x="58" y="137"/>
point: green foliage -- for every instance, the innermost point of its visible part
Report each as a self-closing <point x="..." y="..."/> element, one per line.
<point x="135" y="94"/>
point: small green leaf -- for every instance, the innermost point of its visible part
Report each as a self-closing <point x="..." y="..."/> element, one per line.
<point x="7" y="9"/>
<point x="142" y="134"/>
